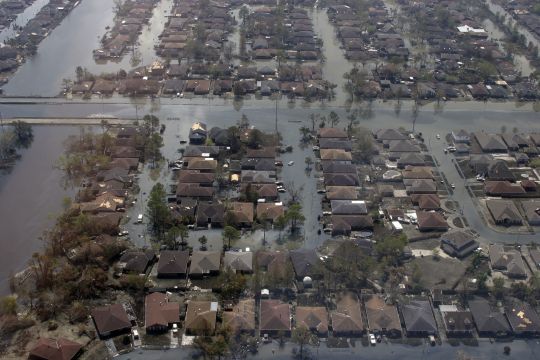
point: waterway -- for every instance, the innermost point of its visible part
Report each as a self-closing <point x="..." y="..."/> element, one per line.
<point x="30" y="199"/>
<point x="71" y="45"/>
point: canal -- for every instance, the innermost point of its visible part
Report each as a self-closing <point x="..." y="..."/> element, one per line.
<point x="30" y="199"/>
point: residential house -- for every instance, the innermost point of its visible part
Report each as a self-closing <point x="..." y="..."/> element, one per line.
<point x="341" y="180"/>
<point x="172" y="264"/>
<point x="338" y="168"/>
<point x="204" y="263"/>
<point x="535" y="257"/>
<point x="504" y="212"/>
<point x="242" y="213"/>
<point x="238" y="261"/>
<point x="488" y="321"/>
<point x="431" y="221"/>
<point x="418" y="318"/>
<point x="490" y="143"/>
<point x="344" y="224"/>
<point x="274" y="317"/>
<point x="305" y="262"/>
<point x="242" y="317"/>
<point x="461" y="137"/>
<point x="194" y="191"/>
<point x="498" y="170"/>
<point x="55" y="349"/>
<point x="523" y="319"/>
<point x="331" y="133"/>
<point x="382" y="318"/>
<point x="348" y="207"/>
<point x="313" y="318"/>
<point x="210" y="214"/>
<point x="198" y="133"/>
<point x="137" y="261"/>
<point x="420" y="186"/>
<point x="507" y="260"/>
<point x="111" y="320"/>
<point x="159" y="313"/>
<point x="341" y="193"/>
<point x="335" y="155"/>
<point x="458" y="243"/>
<point x="503" y="189"/>
<point x="385" y="135"/>
<point x="201" y="317"/>
<point x="269" y="212"/>
<point x="347" y="318"/>
<point x="426" y="201"/>
<point x="457" y="323"/>
<point x="532" y="211"/>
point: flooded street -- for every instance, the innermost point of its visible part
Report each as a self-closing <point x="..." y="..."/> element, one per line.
<point x="30" y="199"/>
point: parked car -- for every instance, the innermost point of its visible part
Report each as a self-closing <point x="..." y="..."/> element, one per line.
<point x="290" y="163"/>
<point x="372" y="339"/>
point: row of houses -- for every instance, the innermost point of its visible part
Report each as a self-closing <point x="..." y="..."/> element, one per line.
<point x="132" y="15"/>
<point x="340" y="182"/>
<point x="207" y="28"/>
<point x="408" y="184"/>
<point x="295" y="38"/>
<point x="351" y="317"/>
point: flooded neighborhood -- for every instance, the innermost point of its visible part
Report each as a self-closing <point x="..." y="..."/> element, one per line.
<point x="269" y="179"/>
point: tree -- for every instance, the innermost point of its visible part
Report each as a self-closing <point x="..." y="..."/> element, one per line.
<point x="302" y="336"/>
<point x="309" y="162"/>
<point x="391" y="248"/>
<point x="280" y="224"/>
<point x="333" y="118"/>
<point x="305" y="133"/>
<point x="203" y="240"/>
<point x="23" y="133"/>
<point x="157" y="210"/>
<point x="498" y="287"/>
<point x="255" y="139"/>
<point x="8" y="305"/>
<point x="363" y="148"/>
<point x="294" y="216"/>
<point x="230" y="234"/>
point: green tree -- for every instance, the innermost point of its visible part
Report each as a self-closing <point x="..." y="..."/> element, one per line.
<point x="302" y="336"/>
<point x="203" y="241"/>
<point x="280" y="223"/>
<point x="23" y="133"/>
<point x="294" y="216"/>
<point x="157" y="210"/>
<point x="230" y="234"/>
<point x="391" y="248"/>
<point x="498" y="287"/>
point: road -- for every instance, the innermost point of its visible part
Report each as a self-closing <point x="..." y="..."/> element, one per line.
<point x="467" y="204"/>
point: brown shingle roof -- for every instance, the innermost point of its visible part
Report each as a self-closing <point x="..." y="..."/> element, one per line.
<point x="242" y="317"/>
<point x="314" y="318"/>
<point x="158" y="311"/>
<point x="381" y="316"/>
<point x="173" y="263"/>
<point x="431" y="221"/>
<point x="275" y="316"/>
<point x="269" y="211"/>
<point x="203" y="262"/>
<point x="201" y="316"/>
<point x="347" y="318"/>
<point x="51" y="349"/>
<point x="110" y="318"/>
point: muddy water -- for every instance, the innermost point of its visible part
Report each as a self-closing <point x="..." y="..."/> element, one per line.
<point x="30" y="198"/>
